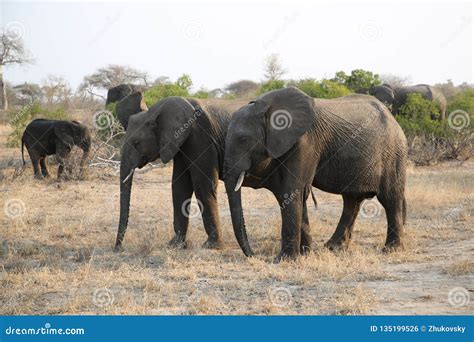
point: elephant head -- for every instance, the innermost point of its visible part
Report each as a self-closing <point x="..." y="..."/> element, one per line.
<point x="119" y="92"/>
<point x="156" y="133"/>
<point x="265" y="129"/>
<point x="73" y="133"/>
<point x="384" y="94"/>
<point x="128" y="106"/>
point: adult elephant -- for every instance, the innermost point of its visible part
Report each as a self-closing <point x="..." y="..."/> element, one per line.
<point x="46" y="137"/>
<point x="286" y="142"/>
<point x="426" y="91"/>
<point x="191" y="133"/>
<point x="131" y="102"/>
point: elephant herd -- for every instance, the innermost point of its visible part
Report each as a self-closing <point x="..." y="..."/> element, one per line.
<point x="283" y="141"/>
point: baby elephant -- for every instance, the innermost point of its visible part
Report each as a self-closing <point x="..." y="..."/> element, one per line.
<point x="46" y="137"/>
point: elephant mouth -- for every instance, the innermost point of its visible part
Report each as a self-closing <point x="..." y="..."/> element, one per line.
<point x="143" y="162"/>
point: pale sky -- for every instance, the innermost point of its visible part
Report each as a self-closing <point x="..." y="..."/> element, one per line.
<point x="217" y="43"/>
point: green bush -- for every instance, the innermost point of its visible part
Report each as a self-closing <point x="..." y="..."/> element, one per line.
<point x="161" y="91"/>
<point x="19" y="119"/>
<point x="201" y="94"/>
<point x="359" y="78"/>
<point x="418" y="109"/>
<point x="325" y="89"/>
<point x="432" y="140"/>
<point x="462" y="101"/>
<point x="271" y="85"/>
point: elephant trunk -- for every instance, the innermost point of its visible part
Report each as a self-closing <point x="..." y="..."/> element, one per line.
<point x="235" y="203"/>
<point x="126" y="178"/>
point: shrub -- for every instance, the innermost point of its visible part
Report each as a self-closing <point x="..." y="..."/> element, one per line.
<point x="161" y="91"/>
<point x="462" y="101"/>
<point x="19" y="119"/>
<point x="201" y="94"/>
<point x="417" y="108"/>
<point x="271" y="85"/>
<point x="325" y="89"/>
<point x="358" y="79"/>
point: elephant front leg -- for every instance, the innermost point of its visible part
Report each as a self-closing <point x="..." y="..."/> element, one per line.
<point x="44" y="169"/>
<point x="206" y="194"/>
<point x="291" y="208"/>
<point x="182" y="189"/>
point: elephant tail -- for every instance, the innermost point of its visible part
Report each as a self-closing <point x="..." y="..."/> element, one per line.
<point x="22" y="153"/>
<point x="404" y="210"/>
<point x="314" y="198"/>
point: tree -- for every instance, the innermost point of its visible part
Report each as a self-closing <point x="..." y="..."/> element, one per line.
<point x="161" y="90"/>
<point x="242" y="88"/>
<point x="271" y="85"/>
<point x="394" y="81"/>
<point x="27" y="93"/>
<point x="111" y="76"/>
<point x="273" y="68"/>
<point x="358" y="79"/>
<point x="12" y="51"/>
<point x="324" y="89"/>
<point x="56" y="90"/>
<point x="184" y="82"/>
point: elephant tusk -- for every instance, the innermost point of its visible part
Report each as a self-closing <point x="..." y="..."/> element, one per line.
<point x="128" y="177"/>
<point x="240" y="181"/>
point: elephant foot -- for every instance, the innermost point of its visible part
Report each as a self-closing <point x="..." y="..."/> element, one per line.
<point x="394" y="246"/>
<point x="178" y="242"/>
<point x="336" y="246"/>
<point x="39" y="177"/>
<point x="304" y="250"/>
<point x="118" y="248"/>
<point x="284" y="256"/>
<point x="213" y="244"/>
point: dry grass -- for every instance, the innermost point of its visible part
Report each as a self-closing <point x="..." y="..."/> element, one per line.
<point x="56" y="256"/>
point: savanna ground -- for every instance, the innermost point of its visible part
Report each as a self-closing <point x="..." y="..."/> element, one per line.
<point x="56" y="251"/>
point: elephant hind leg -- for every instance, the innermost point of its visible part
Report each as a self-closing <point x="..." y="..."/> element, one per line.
<point x="35" y="160"/>
<point x="341" y="237"/>
<point x="44" y="169"/>
<point x="395" y="209"/>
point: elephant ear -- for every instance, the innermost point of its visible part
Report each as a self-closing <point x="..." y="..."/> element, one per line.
<point x="64" y="132"/>
<point x="290" y="113"/>
<point x="174" y="124"/>
<point x="129" y="105"/>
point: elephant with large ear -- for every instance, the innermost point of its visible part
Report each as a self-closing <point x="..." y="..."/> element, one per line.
<point x="286" y="141"/>
<point x="115" y="94"/>
<point x="192" y="134"/>
<point x="426" y="91"/>
<point x="47" y="137"/>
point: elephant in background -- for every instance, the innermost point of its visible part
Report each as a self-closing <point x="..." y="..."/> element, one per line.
<point x="192" y="134"/>
<point x="394" y="98"/>
<point x="131" y="102"/>
<point x="286" y="142"/>
<point x="46" y="137"/>
<point x="426" y="91"/>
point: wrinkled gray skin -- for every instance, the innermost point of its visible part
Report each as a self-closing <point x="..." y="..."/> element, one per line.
<point x="426" y="91"/>
<point x="130" y="99"/>
<point x="172" y="129"/>
<point x="47" y="137"/>
<point x="350" y="146"/>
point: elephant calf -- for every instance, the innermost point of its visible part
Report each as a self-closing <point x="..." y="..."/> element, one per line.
<point x="46" y="137"/>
